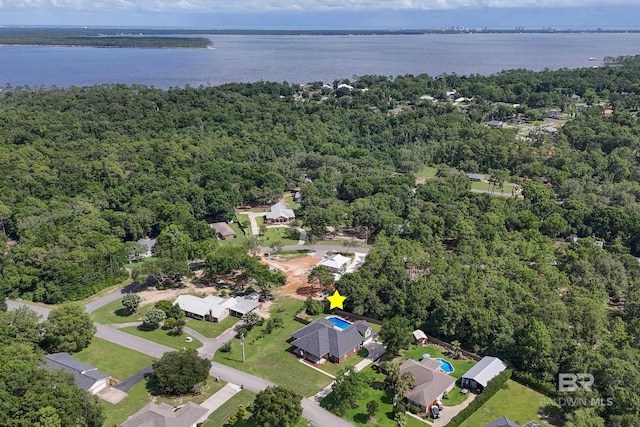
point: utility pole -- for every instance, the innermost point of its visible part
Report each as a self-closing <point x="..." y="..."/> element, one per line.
<point x="242" y="344"/>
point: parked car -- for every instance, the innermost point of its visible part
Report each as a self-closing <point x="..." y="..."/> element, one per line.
<point x="435" y="412"/>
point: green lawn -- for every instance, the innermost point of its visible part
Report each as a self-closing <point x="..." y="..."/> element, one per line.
<point x="114" y="312"/>
<point x="290" y="203"/>
<point x="384" y="416"/>
<point x="212" y="329"/>
<point x="220" y="416"/>
<point x="240" y="238"/>
<point x="116" y="414"/>
<point x="143" y="261"/>
<point x="507" y="187"/>
<point x="334" y="368"/>
<point x="139" y="396"/>
<point x="267" y="357"/>
<point x="516" y="401"/>
<point x="427" y="172"/>
<point x="109" y="358"/>
<point x="279" y="234"/>
<point x="163" y="337"/>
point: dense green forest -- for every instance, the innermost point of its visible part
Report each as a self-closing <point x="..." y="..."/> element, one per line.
<point x="548" y="281"/>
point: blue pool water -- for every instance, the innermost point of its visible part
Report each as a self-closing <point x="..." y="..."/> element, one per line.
<point x="445" y="365"/>
<point x="339" y="323"/>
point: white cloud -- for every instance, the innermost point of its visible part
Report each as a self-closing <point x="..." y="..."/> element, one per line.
<point x="212" y="6"/>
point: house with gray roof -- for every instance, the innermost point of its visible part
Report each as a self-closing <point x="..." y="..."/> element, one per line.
<point x="321" y="340"/>
<point x="164" y="415"/>
<point x="502" y="422"/>
<point x="149" y="247"/>
<point x="431" y="382"/>
<point x="223" y="230"/>
<point x="479" y="375"/>
<point x="86" y="376"/>
<point x="214" y="309"/>
<point x="279" y="214"/>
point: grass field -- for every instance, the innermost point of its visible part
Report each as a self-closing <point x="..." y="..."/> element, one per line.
<point x="163" y="337"/>
<point x="240" y="239"/>
<point x="427" y="172"/>
<point x="290" y="203"/>
<point x="516" y="401"/>
<point x="507" y="188"/>
<point x="267" y="357"/>
<point x="114" y="312"/>
<point x="279" y="234"/>
<point x="384" y="415"/>
<point x="109" y="357"/>
<point x="139" y="396"/>
<point x="212" y="329"/>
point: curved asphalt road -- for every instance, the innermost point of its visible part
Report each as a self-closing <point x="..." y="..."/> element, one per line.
<point x="310" y="410"/>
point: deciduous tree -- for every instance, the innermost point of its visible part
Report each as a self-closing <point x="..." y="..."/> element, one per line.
<point x="277" y="407"/>
<point x="177" y="372"/>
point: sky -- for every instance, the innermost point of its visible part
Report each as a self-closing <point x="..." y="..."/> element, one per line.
<point x="325" y="14"/>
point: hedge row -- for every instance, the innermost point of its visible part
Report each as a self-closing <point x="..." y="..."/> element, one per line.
<point x="491" y="389"/>
<point x="528" y="380"/>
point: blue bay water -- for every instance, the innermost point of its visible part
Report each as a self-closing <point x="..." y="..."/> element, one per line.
<point x="307" y="58"/>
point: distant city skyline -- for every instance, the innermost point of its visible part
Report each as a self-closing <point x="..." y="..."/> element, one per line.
<point x="325" y="14"/>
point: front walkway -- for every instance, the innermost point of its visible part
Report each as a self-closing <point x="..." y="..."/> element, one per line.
<point x="217" y="399"/>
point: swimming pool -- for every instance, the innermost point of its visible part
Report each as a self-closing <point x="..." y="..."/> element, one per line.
<point x="445" y="365"/>
<point x="339" y="323"/>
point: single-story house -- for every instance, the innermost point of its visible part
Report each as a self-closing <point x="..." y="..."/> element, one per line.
<point x="553" y="114"/>
<point x="279" y="214"/>
<point x="163" y="415"/>
<point x="475" y="177"/>
<point x="150" y="247"/>
<point x="502" y="422"/>
<point x="496" y="124"/>
<point x="321" y="340"/>
<point x="223" y="230"/>
<point x="214" y="309"/>
<point x="484" y="371"/>
<point x="420" y="336"/>
<point x="86" y="376"/>
<point x="336" y="263"/>
<point x="431" y="383"/>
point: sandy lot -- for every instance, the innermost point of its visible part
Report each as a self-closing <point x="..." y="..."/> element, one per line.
<point x="297" y="270"/>
<point x="297" y="284"/>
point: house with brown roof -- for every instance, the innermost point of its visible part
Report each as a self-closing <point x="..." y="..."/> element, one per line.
<point x="223" y="230"/>
<point x="431" y="382"/>
<point x="164" y="415"/>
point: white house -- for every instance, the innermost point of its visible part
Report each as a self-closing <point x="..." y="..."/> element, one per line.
<point x="214" y="309"/>
<point x="336" y="263"/>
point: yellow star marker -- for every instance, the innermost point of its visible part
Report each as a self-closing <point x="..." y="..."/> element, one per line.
<point x="336" y="300"/>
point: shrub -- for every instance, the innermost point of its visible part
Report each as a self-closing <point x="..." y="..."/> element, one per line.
<point x="414" y="409"/>
<point x="226" y="347"/>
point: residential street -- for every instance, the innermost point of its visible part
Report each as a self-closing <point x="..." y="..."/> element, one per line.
<point x="311" y="411"/>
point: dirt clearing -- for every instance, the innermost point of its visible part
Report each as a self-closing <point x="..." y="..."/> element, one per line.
<point x="297" y="270"/>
